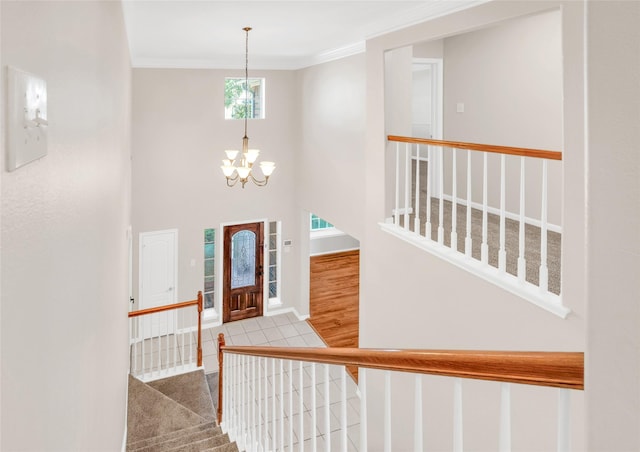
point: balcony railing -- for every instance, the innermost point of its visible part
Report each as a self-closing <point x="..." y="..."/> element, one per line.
<point x="166" y="340"/>
<point x="484" y="208"/>
<point x="275" y="398"/>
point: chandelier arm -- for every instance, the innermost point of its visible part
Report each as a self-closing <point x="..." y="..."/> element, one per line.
<point x="259" y="182"/>
<point x="234" y="180"/>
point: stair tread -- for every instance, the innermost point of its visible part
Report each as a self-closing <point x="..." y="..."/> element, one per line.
<point x="190" y="390"/>
<point x="231" y="447"/>
<point x="198" y="446"/>
<point x="176" y="439"/>
<point x="151" y="413"/>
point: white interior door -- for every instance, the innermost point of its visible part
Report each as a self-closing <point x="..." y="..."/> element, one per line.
<point x="158" y="276"/>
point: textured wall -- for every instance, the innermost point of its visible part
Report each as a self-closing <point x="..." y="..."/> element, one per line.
<point x="64" y="223"/>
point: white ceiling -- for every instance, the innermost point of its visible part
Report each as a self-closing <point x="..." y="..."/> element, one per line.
<point x="286" y="34"/>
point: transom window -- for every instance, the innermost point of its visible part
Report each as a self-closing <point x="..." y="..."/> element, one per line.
<point x="318" y="224"/>
<point x="240" y="102"/>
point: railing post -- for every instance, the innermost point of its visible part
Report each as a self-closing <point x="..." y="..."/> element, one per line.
<point x="221" y="344"/>
<point x="200" y="308"/>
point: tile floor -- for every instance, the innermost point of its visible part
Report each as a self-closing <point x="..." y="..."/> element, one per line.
<point x="287" y="330"/>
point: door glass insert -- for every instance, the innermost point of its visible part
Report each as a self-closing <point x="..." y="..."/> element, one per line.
<point x="243" y="259"/>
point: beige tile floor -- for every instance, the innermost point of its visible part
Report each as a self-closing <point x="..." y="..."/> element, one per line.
<point x="287" y="330"/>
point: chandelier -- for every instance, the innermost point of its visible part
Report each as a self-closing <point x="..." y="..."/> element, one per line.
<point x="243" y="171"/>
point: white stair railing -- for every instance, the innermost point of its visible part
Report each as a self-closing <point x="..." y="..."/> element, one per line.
<point x="315" y="381"/>
<point x="413" y="213"/>
<point x="165" y="340"/>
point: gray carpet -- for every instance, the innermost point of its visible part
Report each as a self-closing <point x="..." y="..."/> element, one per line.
<point x="174" y="414"/>
<point x="212" y="382"/>
<point x="532" y="237"/>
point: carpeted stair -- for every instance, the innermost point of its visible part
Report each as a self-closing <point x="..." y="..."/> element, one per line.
<point x="174" y="414"/>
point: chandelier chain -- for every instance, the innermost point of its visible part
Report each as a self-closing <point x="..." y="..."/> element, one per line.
<point x="246" y="78"/>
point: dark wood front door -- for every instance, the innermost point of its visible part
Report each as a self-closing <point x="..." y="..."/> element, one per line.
<point x="243" y="257"/>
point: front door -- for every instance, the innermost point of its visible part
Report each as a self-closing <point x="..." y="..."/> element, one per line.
<point x="243" y="250"/>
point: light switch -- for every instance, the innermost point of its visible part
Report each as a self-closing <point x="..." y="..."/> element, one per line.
<point x="193" y="262"/>
<point x="460" y="107"/>
<point x="26" y="118"/>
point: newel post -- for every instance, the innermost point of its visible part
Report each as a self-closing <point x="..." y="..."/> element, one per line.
<point x="200" y="308"/>
<point x="221" y="344"/>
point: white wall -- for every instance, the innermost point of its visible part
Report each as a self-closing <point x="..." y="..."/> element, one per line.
<point x="427" y="304"/>
<point x="64" y="244"/>
<point x="612" y="367"/>
<point x="329" y="163"/>
<point x="179" y="139"/>
<point x="509" y="78"/>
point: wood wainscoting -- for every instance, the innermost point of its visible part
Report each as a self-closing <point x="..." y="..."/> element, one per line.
<point x="334" y="298"/>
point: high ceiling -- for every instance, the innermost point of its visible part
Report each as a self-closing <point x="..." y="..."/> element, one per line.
<point x="286" y="34"/>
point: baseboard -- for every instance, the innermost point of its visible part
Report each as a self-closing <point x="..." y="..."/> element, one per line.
<point x="510" y="215"/>
<point x="294" y="311"/>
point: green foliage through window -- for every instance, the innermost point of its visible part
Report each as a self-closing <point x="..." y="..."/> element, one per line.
<point x="240" y="102"/>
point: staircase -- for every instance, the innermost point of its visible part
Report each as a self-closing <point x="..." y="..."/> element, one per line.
<point x="174" y="414"/>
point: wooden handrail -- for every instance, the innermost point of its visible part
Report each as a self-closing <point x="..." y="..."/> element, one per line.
<point x="169" y="307"/>
<point x="523" y="152"/>
<point x="554" y="369"/>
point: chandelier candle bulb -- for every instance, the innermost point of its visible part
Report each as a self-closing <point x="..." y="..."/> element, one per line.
<point x="249" y="156"/>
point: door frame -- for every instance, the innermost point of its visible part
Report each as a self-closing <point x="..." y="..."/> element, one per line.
<point x="437" y="109"/>
<point x="220" y="259"/>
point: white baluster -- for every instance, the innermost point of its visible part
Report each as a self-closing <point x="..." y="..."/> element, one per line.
<point x="301" y="409"/>
<point x="502" y="253"/>
<point x="229" y="390"/>
<point x="544" y="273"/>
<point x="454" y="201"/>
<point x="190" y="338"/>
<point x="505" y="418"/>
<point x="387" y="411"/>
<point x="159" y="342"/>
<point x="362" y="385"/>
<point x="441" y="204"/>
<point x="175" y="346"/>
<point x="274" y="422"/>
<point x="564" y="420"/>
<point x="417" y="425"/>
<point x="290" y="405"/>
<point x="457" y="415"/>
<point x="396" y="215"/>
<point x="416" y="220"/>
<point x="282" y="404"/>
<point x="407" y="184"/>
<point x="327" y="410"/>
<point x="484" y="248"/>
<point x="427" y="232"/>
<point x="467" y="240"/>
<point x="266" y="403"/>
<point x="243" y="402"/>
<point x="522" y="263"/>
<point x="343" y="407"/>
<point x="259" y="400"/>
<point x="253" y="404"/>
<point x="314" y="417"/>
<point x="133" y="346"/>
